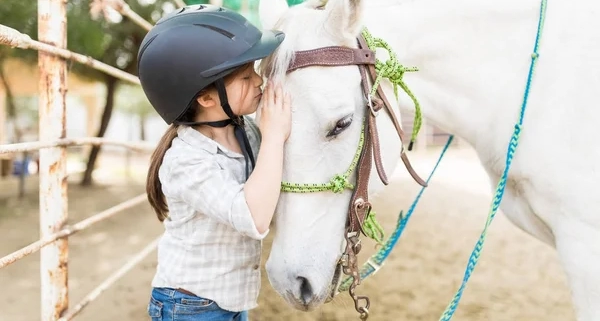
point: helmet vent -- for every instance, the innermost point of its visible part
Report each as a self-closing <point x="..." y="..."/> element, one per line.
<point x="219" y="30"/>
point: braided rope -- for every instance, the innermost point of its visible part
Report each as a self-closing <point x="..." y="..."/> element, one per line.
<point x="377" y="259"/>
<point x="373" y="229"/>
<point x="337" y="184"/>
<point x="393" y="71"/>
<point x="512" y="146"/>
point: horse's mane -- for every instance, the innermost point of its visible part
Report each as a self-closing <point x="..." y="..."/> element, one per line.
<point x="275" y="65"/>
<point x="296" y="22"/>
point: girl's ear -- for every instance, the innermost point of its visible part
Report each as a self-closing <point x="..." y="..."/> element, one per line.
<point x="207" y="100"/>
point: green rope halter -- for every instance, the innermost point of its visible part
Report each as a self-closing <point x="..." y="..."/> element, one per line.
<point x="338" y="184"/>
<point x="393" y="71"/>
<point x="373" y="229"/>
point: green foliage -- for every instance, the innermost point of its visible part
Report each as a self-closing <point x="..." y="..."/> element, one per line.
<point x="252" y="7"/>
<point x="114" y="43"/>
<point x="19" y="15"/>
<point x="191" y="2"/>
<point x="294" y="2"/>
<point x="131" y="99"/>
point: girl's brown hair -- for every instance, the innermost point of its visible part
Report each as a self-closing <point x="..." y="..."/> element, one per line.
<point x="153" y="184"/>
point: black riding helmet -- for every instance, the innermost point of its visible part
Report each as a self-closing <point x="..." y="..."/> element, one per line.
<point x="196" y="46"/>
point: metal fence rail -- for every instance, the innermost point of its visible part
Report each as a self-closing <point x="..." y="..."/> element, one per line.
<point x="53" y="243"/>
<point x="70" y="230"/>
<point x="30" y="146"/>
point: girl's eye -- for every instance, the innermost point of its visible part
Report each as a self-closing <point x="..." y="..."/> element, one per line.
<point x="340" y="126"/>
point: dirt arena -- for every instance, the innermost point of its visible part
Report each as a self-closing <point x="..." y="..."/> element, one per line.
<point x="518" y="278"/>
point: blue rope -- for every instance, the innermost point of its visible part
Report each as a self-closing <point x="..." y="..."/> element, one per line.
<point x="375" y="262"/>
<point x="512" y="146"/>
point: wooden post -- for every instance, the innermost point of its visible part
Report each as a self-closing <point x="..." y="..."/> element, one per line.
<point x="52" y="25"/>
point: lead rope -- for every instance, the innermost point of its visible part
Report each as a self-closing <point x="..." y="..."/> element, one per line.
<point x="376" y="261"/>
<point x="512" y="147"/>
<point x="338" y="184"/>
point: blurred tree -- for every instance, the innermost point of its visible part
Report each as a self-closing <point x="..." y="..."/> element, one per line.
<point x="248" y="8"/>
<point x="131" y="100"/>
<point x="124" y="39"/>
<point x="23" y="17"/>
<point x="191" y="2"/>
<point x="114" y="41"/>
<point x="20" y="16"/>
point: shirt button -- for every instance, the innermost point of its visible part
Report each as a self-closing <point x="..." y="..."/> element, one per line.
<point x="255" y="266"/>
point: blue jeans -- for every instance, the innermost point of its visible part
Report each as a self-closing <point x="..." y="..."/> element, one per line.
<point x="171" y="305"/>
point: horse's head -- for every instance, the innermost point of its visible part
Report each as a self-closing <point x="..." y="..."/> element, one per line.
<point x="328" y="106"/>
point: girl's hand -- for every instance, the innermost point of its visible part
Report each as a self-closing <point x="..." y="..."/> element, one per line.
<point x="275" y="113"/>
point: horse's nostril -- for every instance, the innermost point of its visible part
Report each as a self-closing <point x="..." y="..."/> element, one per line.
<point x="306" y="293"/>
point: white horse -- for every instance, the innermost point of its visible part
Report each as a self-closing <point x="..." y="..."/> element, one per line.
<point x="473" y="58"/>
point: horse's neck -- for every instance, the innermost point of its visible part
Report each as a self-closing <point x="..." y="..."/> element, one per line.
<point x="472" y="57"/>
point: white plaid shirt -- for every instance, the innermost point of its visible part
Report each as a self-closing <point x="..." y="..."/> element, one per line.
<point x="211" y="246"/>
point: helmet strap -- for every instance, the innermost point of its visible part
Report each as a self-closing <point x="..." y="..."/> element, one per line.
<point x="238" y="123"/>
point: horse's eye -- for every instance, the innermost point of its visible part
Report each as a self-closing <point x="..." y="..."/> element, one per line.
<point x="340" y="126"/>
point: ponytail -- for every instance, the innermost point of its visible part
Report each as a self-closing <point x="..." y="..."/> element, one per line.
<point x="153" y="185"/>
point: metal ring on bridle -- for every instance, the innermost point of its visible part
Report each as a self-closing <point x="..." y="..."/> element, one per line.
<point x="364" y="314"/>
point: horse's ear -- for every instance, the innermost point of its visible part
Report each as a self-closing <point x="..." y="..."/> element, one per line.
<point x="269" y="12"/>
<point x="345" y="16"/>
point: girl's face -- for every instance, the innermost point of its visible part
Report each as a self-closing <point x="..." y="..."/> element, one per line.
<point x="244" y="92"/>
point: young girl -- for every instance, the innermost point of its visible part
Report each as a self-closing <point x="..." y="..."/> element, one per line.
<point x="208" y="185"/>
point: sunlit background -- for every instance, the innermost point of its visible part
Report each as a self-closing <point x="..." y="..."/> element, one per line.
<point x="517" y="279"/>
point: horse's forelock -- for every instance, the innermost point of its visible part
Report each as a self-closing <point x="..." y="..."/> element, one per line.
<point x="275" y="66"/>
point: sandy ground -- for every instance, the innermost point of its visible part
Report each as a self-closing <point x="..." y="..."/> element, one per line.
<point x="518" y="277"/>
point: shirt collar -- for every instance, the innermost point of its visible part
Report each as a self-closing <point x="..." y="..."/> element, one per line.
<point x="196" y="139"/>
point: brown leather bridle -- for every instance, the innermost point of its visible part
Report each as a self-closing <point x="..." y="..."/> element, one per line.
<point x="359" y="206"/>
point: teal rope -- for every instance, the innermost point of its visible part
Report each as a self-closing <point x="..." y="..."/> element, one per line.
<point x="376" y="261"/>
<point x="512" y="146"/>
